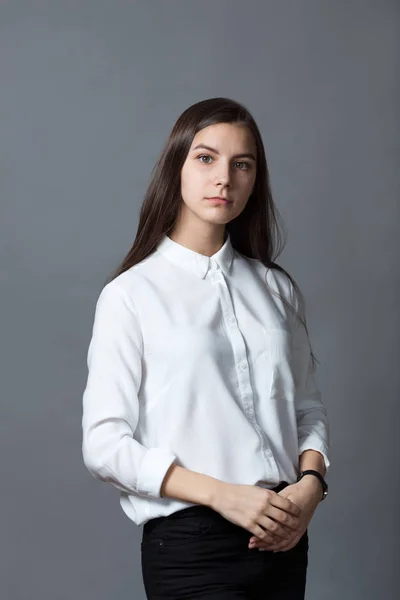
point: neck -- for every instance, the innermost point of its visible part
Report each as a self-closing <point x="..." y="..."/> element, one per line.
<point x="205" y="238"/>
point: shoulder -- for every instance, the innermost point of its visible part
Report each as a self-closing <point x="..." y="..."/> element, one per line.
<point x="274" y="276"/>
<point x="120" y="292"/>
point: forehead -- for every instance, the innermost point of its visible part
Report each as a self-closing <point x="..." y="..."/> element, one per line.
<point x="226" y="135"/>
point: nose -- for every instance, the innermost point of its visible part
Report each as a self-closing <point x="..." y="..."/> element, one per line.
<point x="223" y="175"/>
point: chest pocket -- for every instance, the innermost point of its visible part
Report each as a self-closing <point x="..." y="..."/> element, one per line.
<point x="278" y="353"/>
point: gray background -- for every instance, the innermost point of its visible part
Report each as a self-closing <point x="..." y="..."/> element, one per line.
<point x="89" y="92"/>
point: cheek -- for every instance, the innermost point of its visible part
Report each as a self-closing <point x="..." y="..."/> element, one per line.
<point x="193" y="185"/>
<point x="242" y="201"/>
<point x="250" y="184"/>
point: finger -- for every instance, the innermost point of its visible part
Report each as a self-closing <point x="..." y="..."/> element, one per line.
<point x="269" y="538"/>
<point x="265" y="536"/>
<point x="284" y="518"/>
<point x="279" y="523"/>
<point x="285" y="504"/>
<point x="274" y="529"/>
<point x="284" y="547"/>
<point x="278" y="546"/>
<point x="272" y="548"/>
<point x="260" y="545"/>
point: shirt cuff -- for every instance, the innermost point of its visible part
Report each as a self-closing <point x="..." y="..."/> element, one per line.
<point x="152" y="471"/>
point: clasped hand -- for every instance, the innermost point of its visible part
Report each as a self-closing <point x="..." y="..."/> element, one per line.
<point x="280" y="537"/>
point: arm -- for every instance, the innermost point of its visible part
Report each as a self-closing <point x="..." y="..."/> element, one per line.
<point x="111" y="412"/>
<point x="310" y="459"/>
<point x="190" y="486"/>
<point x="313" y="440"/>
<point x="312" y="418"/>
<point x="110" y="401"/>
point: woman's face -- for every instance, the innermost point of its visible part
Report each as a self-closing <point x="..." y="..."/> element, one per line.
<point x="226" y="167"/>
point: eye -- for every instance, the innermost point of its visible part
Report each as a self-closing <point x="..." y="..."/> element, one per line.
<point x="204" y="156"/>
<point x="244" y="162"/>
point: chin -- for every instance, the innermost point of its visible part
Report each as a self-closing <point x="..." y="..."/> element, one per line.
<point x="217" y="222"/>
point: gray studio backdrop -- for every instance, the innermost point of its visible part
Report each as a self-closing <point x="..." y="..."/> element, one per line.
<point x="89" y="92"/>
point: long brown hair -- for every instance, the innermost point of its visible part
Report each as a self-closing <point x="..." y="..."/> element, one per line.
<point x="257" y="232"/>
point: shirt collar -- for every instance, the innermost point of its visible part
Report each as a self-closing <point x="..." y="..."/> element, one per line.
<point x="194" y="261"/>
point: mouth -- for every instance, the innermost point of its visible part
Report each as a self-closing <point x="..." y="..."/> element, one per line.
<point x="219" y="200"/>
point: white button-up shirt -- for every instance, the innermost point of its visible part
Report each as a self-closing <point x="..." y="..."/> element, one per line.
<point x="193" y="360"/>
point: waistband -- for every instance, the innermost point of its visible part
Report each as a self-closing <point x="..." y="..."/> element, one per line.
<point x="199" y="510"/>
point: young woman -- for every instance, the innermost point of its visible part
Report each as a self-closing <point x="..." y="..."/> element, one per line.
<point x="200" y="404"/>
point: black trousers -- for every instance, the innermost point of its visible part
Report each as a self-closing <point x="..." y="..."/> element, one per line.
<point x="196" y="553"/>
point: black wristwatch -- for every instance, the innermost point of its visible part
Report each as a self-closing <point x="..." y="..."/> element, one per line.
<point x="322" y="480"/>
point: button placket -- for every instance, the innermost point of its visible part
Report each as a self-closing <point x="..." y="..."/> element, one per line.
<point x="240" y="355"/>
<point x="239" y="350"/>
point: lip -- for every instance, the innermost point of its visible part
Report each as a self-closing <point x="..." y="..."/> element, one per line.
<point x="219" y="200"/>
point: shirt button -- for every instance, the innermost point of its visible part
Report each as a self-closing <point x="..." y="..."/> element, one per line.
<point x="243" y="366"/>
<point x="232" y="319"/>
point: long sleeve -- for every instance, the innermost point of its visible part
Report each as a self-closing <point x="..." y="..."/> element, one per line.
<point x="111" y="404"/>
<point x="312" y="417"/>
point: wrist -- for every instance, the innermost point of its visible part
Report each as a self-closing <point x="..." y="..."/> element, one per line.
<point x="317" y="474"/>
<point x="214" y="492"/>
<point x="311" y="485"/>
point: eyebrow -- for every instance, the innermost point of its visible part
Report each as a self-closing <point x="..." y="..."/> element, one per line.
<point x="243" y="155"/>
